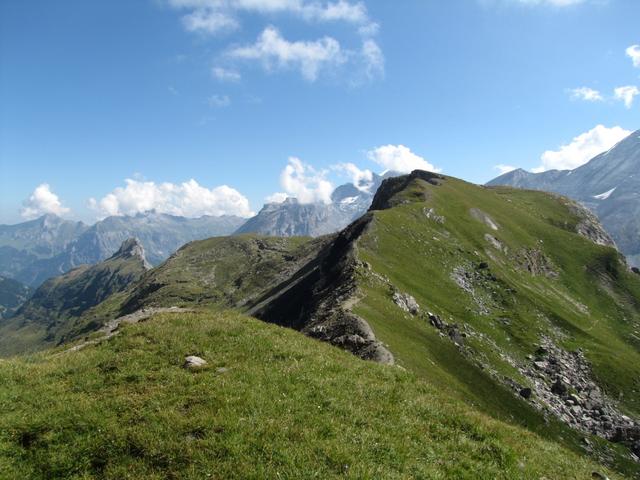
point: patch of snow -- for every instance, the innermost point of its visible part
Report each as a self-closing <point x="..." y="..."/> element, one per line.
<point x="605" y="195"/>
<point x="349" y="200"/>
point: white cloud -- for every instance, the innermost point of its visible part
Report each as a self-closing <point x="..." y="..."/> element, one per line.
<point x="273" y="51"/>
<point x="277" y="197"/>
<point x="633" y="52"/>
<point x="399" y="158"/>
<point x="504" y="168"/>
<point x="41" y="202"/>
<point x="188" y="199"/>
<point x="340" y="10"/>
<point x="373" y="58"/>
<point x="225" y="75"/>
<point x="582" y="148"/>
<point x="626" y="94"/>
<point x="587" y="94"/>
<point x="303" y="182"/>
<point x="218" y="101"/>
<point x="362" y="179"/>
<point x="209" y="21"/>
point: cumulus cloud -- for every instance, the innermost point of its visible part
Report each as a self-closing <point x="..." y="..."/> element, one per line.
<point x="211" y="16"/>
<point x="188" y="199"/>
<point x="274" y="51"/>
<point x="633" y="52"/>
<point x="225" y="75"/>
<point x="209" y="21"/>
<point x="582" y="148"/>
<point x="399" y="158"/>
<point x="305" y="183"/>
<point x="362" y="179"/>
<point x="587" y="94"/>
<point x="626" y="94"/>
<point x="277" y="197"/>
<point x="41" y="202"/>
<point x="504" y="168"/>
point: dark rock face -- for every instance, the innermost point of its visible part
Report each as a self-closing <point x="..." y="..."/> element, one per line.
<point x="608" y="186"/>
<point x="387" y="195"/>
<point x="316" y="299"/>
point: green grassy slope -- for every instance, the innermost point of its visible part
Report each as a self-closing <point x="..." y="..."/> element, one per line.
<point x="591" y="301"/>
<point x="55" y="311"/>
<point x="285" y="407"/>
<point x="229" y="271"/>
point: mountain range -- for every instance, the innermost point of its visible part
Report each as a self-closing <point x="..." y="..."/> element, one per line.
<point x="609" y="185"/>
<point x="34" y="251"/>
<point x="514" y="303"/>
<point x="292" y="218"/>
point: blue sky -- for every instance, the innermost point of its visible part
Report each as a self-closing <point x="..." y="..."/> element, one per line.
<point x="212" y="106"/>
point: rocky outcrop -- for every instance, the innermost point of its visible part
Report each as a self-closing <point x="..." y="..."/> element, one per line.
<point x="590" y="227"/>
<point x="317" y="300"/>
<point x="132" y="248"/>
<point x="563" y="385"/>
<point x="396" y="191"/>
<point x="406" y="302"/>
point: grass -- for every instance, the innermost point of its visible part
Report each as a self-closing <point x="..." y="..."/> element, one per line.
<point x="286" y="407"/>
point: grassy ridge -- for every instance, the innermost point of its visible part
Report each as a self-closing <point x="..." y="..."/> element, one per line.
<point x="285" y="407"/>
<point x="593" y="302"/>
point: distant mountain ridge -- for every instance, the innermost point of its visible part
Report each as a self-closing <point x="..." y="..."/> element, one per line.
<point x="609" y="185"/>
<point x="292" y="218"/>
<point x="34" y="251"/>
<point x="12" y="295"/>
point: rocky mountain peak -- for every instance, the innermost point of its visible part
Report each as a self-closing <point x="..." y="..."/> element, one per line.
<point x="387" y="195"/>
<point x="132" y="248"/>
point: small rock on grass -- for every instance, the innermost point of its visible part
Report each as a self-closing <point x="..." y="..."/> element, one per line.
<point x="192" y="362"/>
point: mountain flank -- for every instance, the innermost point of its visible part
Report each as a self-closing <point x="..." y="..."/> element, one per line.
<point x="609" y="185"/>
<point x="52" y="313"/>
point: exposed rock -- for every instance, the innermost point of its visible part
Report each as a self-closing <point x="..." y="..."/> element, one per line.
<point x="431" y="214"/>
<point x="406" y="302"/>
<point x="559" y="387"/>
<point x="484" y="218"/>
<point x="495" y="243"/>
<point x="193" y="362"/>
<point x="526" y="393"/>
<point x="436" y="321"/>
<point x="318" y="299"/>
<point x="563" y="385"/>
<point x="590" y="227"/>
<point x="534" y="261"/>
<point x="387" y="195"/>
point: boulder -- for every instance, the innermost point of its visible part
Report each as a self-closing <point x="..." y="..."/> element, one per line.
<point x="406" y="302"/>
<point x="526" y="393"/>
<point x="193" y="363"/>
<point x="559" y="387"/>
